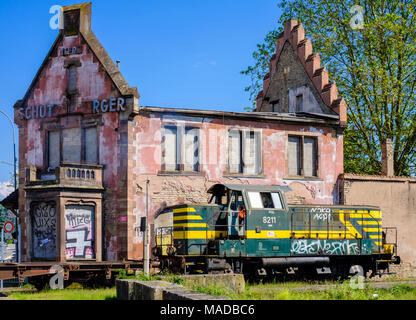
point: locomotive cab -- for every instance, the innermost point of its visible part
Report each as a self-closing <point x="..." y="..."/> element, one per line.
<point x="244" y="204"/>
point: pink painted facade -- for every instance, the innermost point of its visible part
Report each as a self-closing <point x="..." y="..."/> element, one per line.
<point x="121" y="145"/>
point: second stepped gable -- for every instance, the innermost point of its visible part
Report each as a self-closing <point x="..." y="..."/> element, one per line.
<point x="296" y="81"/>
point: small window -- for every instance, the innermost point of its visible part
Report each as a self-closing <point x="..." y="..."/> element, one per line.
<point x="302" y="156"/>
<point x="299" y="103"/>
<point x="255" y="200"/>
<point x="277" y="201"/>
<point x="53" y="149"/>
<point x="265" y="200"/>
<point x="275" y="106"/>
<point x="236" y="201"/>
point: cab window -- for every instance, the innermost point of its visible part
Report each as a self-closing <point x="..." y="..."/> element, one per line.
<point x="236" y="200"/>
<point x="265" y="200"/>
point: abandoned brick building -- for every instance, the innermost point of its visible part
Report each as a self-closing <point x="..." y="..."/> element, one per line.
<point x="87" y="148"/>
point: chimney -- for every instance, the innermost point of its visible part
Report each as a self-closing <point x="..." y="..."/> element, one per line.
<point x="387" y="159"/>
<point x="77" y="18"/>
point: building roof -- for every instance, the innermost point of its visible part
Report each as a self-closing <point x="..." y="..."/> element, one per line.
<point x="299" y="117"/>
<point x="294" y="34"/>
<point x="95" y="46"/>
<point x="11" y="202"/>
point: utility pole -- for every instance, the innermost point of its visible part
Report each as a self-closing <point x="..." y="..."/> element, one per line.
<point x="146" y="263"/>
<point x="18" y="246"/>
<point x="2" y="254"/>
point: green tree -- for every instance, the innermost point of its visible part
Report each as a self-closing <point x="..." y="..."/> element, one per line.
<point x="373" y="66"/>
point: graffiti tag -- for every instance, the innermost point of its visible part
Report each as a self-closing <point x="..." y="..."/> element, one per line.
<point x="44" y="230"/>
<point x="324" y="247"/>
<point x="79" y="232"/>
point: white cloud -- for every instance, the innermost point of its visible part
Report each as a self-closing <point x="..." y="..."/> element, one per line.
<point x="5" y="189"/>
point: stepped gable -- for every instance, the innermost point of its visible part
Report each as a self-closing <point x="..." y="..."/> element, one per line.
<point x="294" y="34"/>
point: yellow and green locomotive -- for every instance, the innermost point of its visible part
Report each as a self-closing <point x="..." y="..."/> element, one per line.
<point x="251" y="229"/>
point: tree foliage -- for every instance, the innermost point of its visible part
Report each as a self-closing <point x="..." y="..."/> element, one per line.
<point x="373" y="66"/>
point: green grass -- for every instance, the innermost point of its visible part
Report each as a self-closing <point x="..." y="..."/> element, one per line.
<point x="166" y="276"/>
<point x="66" y="294"/>
<point x="340" y="291"/>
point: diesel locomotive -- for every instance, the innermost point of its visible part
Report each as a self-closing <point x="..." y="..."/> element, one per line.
<point x="252" y="230"/>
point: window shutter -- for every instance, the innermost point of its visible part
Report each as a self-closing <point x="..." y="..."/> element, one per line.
<point x="170" y="149"/>
<point x="71" y="145"/>
<point x="234" y="151"/>
<point x="259" y="152"/>
<point x="309" y="157"/>
<point x="191" y="156"/>
<point x="53" y="149"/>
<point x="250" y="153"/>
<point x="294" y="156"/>
<point x="91" y="150"/>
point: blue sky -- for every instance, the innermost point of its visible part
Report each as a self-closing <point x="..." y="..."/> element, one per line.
<point x="177" y="53"/>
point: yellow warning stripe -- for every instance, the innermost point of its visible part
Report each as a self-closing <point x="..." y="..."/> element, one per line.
<point x="372" y="229"/>
<point x="190" y="225"/>
<point x="181" y="210"/>
<point x="195" y="217"/>
<point x="371" y="222"/>
<point x="285" y="234"/>
<point x="375" y="237"/>
<point x="198" y="234"/>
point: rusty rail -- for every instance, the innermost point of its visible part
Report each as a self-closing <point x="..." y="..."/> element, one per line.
<point x="31" y="269"/>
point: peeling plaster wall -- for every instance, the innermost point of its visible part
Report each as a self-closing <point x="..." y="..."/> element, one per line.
<point x="92" y="83"/>
<point x="170" y="189"/>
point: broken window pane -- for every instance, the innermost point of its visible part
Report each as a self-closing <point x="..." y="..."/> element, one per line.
<point x="71" y="145"/>
<point x="53" y="149"/>
<point x="294" y="156"/>
<point x="91" y="150"/>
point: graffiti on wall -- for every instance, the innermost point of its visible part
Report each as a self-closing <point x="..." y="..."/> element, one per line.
<point x="330" y="247"/>
<point x="44" y="230"/>
<point x="79" y="231"/>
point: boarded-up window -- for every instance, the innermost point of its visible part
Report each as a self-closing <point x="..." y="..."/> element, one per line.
<point x="302" y="156"/>
<point x="244" y="152"/>
<point x="234" y="152"/>
<point x="54" y="151"/>
<point x="170" y="149"/>
<point x="309" y="157"/>
<point x="90" y="145"/>
<point x="180" y="149"/>
<point x="294" y="156"/>
<point x="252" y="160"/>
<point x="71" y="145"/>
<point x="191" y="152"/>
<point x="72" y="78"/>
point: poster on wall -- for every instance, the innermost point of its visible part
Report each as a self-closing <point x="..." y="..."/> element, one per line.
<point x="44" y="230"/>
<point x="79" y="231"/>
